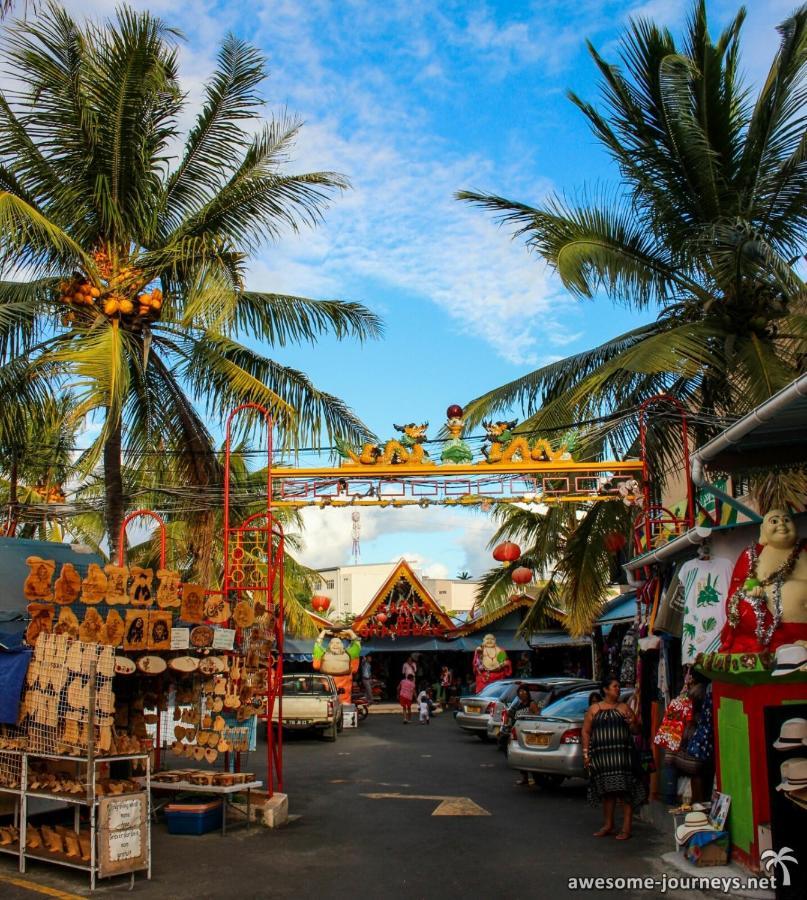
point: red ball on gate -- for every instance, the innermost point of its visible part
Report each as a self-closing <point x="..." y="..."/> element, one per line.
<point x="319" y="603"/>
<point x="454" y="411"/>
<point x="507" y="552"/>
<point x="521" y="575"/>
<point x="381" y="617"/>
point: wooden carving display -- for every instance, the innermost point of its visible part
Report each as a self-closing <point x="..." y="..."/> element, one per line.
<point x="67" y="622"/>
<point x="193" y="603"/>
<point x="244" y="614"/>
<point x="68" y="585"/>
<point x="168" y="589"/>
<point x="117" y="580"/>
<point x="114" y="629"/>
<point x="217" y="610"/>
<point x="159" y="630"/>
<point x="91" y="629"/>
<point x="135" y="636"/>
<point x="93" y="588"/>
<point x="38" y="583"/>
<point x="140" y="591"/>
<point x="41" y="621"/>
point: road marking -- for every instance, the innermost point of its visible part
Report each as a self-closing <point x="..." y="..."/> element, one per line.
<point x="425" y="756"/>
<point x="338" y="781"/>
<point x="343" y="754"/>
<point x="448" y="806"/>
<point x="486" y="765"/>
<point x="39" y="888"/>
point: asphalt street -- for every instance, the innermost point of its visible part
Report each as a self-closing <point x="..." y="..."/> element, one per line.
<point x="383" y="813"/>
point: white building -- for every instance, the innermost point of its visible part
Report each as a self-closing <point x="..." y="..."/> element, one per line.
<point x="351" y="588"/>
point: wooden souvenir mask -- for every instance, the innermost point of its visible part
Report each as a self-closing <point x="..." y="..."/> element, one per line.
<point x="37" y="585"/>
<point x="135" y="636"/>
<point x="159" y="630"/>
<point x="93" y="588"/>
<point x="117" y="578"/>
<point x="168" y="589"/>
<point x="140" y="588"/>
<point x="193" y="603"/>
<point x="114" y="628"/>
<point x="68" y="585"/>
<point x="92" y="628"/>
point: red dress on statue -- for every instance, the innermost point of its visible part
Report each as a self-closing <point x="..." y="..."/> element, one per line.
<point x="743" y="638"/>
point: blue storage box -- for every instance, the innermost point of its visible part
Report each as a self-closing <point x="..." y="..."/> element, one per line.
<point x="193" y="818"/>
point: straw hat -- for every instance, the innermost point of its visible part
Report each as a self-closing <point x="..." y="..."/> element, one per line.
<point x="693" y="823"/>
<point x="798" y="797"/>
<point x="793" y="733"/>
<point x="789" y="658"/>
<point x="794" y="774"/>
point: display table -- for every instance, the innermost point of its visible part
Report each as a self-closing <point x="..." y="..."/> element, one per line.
<point x="226" y="792"/>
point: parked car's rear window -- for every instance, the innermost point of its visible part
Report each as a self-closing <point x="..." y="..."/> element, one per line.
<point x="537" y="693"/>
<point x="573" y="706"/>
<point x="306" y="684"/>
<point x="493" y="690"/>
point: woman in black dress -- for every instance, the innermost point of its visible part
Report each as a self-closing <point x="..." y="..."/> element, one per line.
<point x="608" y="754"/>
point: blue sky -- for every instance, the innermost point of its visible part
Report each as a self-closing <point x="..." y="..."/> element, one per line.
<point x="413" y="101"/>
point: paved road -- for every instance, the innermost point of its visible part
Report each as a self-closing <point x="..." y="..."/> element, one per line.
<point x="347" y="844"/>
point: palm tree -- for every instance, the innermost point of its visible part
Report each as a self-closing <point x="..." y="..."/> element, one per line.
<point x="463" y="576"/>
<point x="37" y="440"/>
<point x="705" y="229"/>
<point x="567" y="546"/>
<point x="126" y="270"/>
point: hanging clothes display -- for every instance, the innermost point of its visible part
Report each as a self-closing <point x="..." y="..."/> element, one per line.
<point x="670" y="616"/>
<point x="705" y="586"/>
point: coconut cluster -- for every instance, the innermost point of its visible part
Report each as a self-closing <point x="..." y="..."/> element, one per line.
<point x="117" y="293"/>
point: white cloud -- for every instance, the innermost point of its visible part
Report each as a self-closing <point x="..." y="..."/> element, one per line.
<point x="327" y="536"/>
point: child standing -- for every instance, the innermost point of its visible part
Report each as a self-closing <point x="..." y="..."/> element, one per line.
<point x="424" y="707"/>
<point x="406" y="694"/>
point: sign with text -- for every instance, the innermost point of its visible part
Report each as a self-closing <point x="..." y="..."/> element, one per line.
<point x="123" y="827"/>
<point x="224" y="638"/>
<point x="180" y="638"/>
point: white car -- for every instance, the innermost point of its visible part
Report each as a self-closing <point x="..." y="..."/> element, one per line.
<point x="311" y="701"/>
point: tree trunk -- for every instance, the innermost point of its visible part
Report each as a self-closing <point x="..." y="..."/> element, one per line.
<point x="113" y="489"/>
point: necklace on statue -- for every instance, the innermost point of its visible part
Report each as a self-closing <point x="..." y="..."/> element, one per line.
<point x="754" y="593"/>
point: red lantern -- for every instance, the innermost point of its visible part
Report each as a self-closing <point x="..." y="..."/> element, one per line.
<point x="381" y="617"/>
<point x="614" y="541"/>
<point x="319" y="603"/>
<point x="454" y="411"/>
<point x="522" y="575"/>
<point x="507" y="552"/>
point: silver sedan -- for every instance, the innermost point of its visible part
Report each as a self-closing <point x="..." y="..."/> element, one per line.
<point x="474" y="712"/>
<point x="549" y="745"/>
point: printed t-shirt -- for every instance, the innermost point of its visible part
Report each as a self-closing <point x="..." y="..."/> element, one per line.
<point x="705" y="583"/>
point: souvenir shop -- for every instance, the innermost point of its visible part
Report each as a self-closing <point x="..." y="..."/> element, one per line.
<point x="130" y="693"/>
<point x="722" y="657"/>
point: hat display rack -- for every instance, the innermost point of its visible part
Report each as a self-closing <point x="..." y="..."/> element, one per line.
<point x="792" y="745"/>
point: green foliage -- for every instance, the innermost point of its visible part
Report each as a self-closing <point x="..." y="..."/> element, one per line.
<point x="565" y="546"/>
<point x="705" y="229"/>
<point x="89" y="190"/>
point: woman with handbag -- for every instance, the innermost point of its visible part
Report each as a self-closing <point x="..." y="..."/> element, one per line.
<point x="608" y="754"/>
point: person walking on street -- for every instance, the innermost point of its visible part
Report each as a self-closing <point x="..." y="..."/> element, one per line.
<point x="406" y="694"/>
<point x="367" y="677"/>
<point x="608" y="752"/>
<point x="446" y="680"/>
<point x="410" y="667"/>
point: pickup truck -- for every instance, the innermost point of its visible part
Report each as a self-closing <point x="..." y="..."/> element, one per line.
<point x="311" y="701"/>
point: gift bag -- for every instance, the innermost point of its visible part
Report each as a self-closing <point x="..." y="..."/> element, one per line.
<point x="676" y="719"/>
